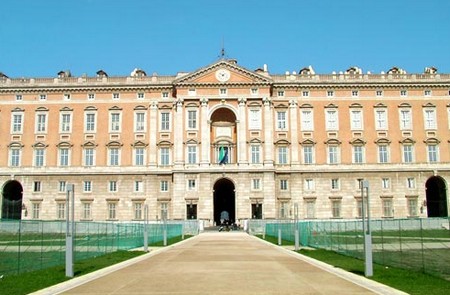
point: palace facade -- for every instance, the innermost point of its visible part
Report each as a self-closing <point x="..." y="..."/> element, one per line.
<point x="225" y="138"/>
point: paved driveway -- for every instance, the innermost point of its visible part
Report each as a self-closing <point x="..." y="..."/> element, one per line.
<point x="222" y="263"/>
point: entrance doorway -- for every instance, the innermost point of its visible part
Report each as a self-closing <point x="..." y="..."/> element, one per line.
<point x="12" y="200"/>
<point x="224" y="201"/>
<point x="436" y="194"/>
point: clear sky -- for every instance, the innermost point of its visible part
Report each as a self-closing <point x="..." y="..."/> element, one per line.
<point x="38" y="38"/>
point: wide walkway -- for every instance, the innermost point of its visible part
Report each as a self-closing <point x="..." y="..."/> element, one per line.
<point x="221" y="263"/>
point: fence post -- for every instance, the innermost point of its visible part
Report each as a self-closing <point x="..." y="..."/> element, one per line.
<point x="145" y="228"/>
<point x="296" y="227"/>
<point x="69" y="229"/>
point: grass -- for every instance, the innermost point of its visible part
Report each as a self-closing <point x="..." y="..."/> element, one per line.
<point x="409" y="281"/>
<point x="32" y="281"/>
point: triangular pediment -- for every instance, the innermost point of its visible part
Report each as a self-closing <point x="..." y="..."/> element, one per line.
<point x="223" y="72"/>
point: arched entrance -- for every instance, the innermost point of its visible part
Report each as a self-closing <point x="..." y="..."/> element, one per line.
<point x="12" y="200"/>
<point x="436" y="194"/>
<point x="224" y="200"/>
<point x="223" y="136"/>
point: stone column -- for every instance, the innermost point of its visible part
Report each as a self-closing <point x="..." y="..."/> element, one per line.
<point x="205" y="158"/>
<point x="152" y="131"/>
<point x="294" y="132"/>
<point x="268" y="132"/>
<point x="178" y="133"/>
<point x="242" y="133"/>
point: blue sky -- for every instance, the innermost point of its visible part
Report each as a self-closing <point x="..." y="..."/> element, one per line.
<point x="40" y="38"/>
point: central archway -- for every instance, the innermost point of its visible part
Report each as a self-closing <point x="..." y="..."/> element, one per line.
<point x="436" y="194"/>
<point x="224" y="200"/>
<point x="12" y="200"/>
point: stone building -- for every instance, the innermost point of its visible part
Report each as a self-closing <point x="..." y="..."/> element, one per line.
<point x="225" y="138"/>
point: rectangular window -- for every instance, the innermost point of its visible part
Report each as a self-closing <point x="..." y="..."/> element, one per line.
<point x="87" y="186"/>
<point x="192" y="92"/>
<point x="60" y="211"/>
<point x="356" y="120"/>
<point x="36" y="186"/>
<point x="17" y="123"/>
<point x="112" y="211"/>
<point x="89" y="156"/>
<point x="191" y="185"/>
<point x="192" y="119"/>
<point x="139" y="123"/>
<point x="91" y="96"/>
<point x="379" y="93"/>
<point x="411" y="182"/>
<point x="387" y="208"/>
<point x="412" y="207"/>
<point x="165" y="121"/>
<point x="336" y="208"/>
<point x="140" y="95"/>
<point x="39" y="157"/>
<point x="36" y="210"/>
<point x="333" y="154"/>
<point x="254" y="91"/>
<point x="165" y="94"/>
<point x="405" y="119"/>
<point x="138" y="211"/>
<point x="383" y="154"/>
<point x="282" y="155"/>
<point x="284" y="210"/>
<point x="256" y="184"/>
<point x="114" y="122"/>
<point x="408" y="154"/>
<point x="223" y="91"/>
<point x="281" y="120"/>
<point x="280" y="93"/>
<point x="403" y="93"/>
<point x="90" y="122"/>
<point x="64" y="157"/>
<point x="164" y="154"/>
<point x="62" y="186"/>
<point x="310" y="209"/>
<point x="256" y="151"/>
<point x="427" y="92"/>
<point x="359" y="208"/>
<point x="164" y="186"/>
<point x="309" y="184"/>
<point x="432" y="151"/>
<point x="305" y="93"/>
<point x="385" y="183"/>
<point x="139" y="156"/>
<point x="41" y="123"/>
<point x="308" y="154"/>
<point x="381" y="119"/>
<point x="19" y="97"/>
<point x="114" y="157"/>
<point x="87" y="211"/>
<point x="116" y="96"/>
<point x="192" y="154"/>
<point x="164" y="211"/>
<point x="358" y="154"/>
<point x="430" y="119"/>
<point x="355" y="93"/>
<point x="138" y="186"/>
<point x="255" y="119"/>
<point x="335" y="184"/>
<point x="283" y="184"/>
<point x="113" y="186"/>
<point x="307" y="120"/>
<point x="330" y="93"/>
<point x="15" y="157"/>
<point x="66" y="122"/>
<point x="332" y="121"/>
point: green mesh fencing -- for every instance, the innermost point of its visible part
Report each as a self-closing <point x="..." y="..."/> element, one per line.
<point x="416" y="244"/>
<point x="33" y="245"/>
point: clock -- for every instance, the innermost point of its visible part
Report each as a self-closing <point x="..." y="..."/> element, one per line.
<point x="223" y="75"/>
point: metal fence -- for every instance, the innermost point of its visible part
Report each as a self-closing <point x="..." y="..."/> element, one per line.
<point x="417" y="244"/>
<point x="32" y="245"/>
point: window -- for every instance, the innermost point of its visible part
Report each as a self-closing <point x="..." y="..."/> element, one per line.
<point x="310" y="209"/>
<point x="405" y="119"/>
<point x="15" y="157"/>
<point x="283" y="184"/>
<point x="408" y="153"/>
<point x="430" y="119"/>
<point x="358" y="154"/>
<point x="39" y="157"/>
<point x="379" y="93"/>
<point x="432" y="151"/>
<point x="309" y="184"/>
<point x="256" y="152"/>
<point x="62" y="186"/>
<point x="330" y="93"/>
<point x="355" y="93"/>
<point x="336" y="208"/>
<point x="165" y="121"/>
<point x="139" y="156"/>
<point x="331" y="117"/>
<point x="19" y="97"/>
<point x="90" y="122"/>
<point x="164" y="186"/>
<point x="359" y="208"/>
<point x="223" y="91"/>
<point x="89" y="157"/>
<point x="60" y="210"/>
<point x="140" y="95"/>
<point x="116" y="96"/>
<point x="383" y="154"/>
<point x="387" y="208"/>
<point x="17" y="123"/>
<point x="66" y="122"/>
<point x="112" y="210"/>
<point x="66" y="96"/>
<point x="42" y="96"/>
<point x="305" y="93"/>
<point x="41" y="123"/>
<point x="91" y="96"/>
<point x="403" y="93"/>
<point x="114" y="119"/>
<point x="138" y="210"/>
<point x="308" y="154"/>
<point x="254" y="91"/>
<point x="255" y="119"/>
<point x="192" y="92"/>
<point x="164" y="211"/>
<point x="113" y="186"/>
<point x="139" y="122"/>
<point x="427" y="92"/>
<point x="356" y="121"/>
<point x="281" y="120"/>
<point x="138" y="186"/>
<point x="284" y="210"/>
<point x="282" y="155"/>
<point x="381" y="119"/>
<point x="164" y="156"/>
<point x="87" y="186"/>
<point x="335" y="184"/>
<point x="412" y="207"/>
<point x="165" y="94"/>
<point x="192" y="119"/>
<point x="64" y="157"/>
<point x="192" y="154"/>
<point x="280" y="93"/>
<point x="256" y="184"/>
<point x="333" y="154"/>
<point x="191" y="185"/>
<point x="114" y="156"/>
<point x="307" y="120"/>
<point x="36" y="186"/>
<point x="36" y="210"/>
<point x="411" y="182"/>
<point x="385" y="183"/>
<point x="87" y="211"/>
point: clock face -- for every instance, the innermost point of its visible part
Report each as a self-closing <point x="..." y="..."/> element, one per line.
<point x="223" y="75"/>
